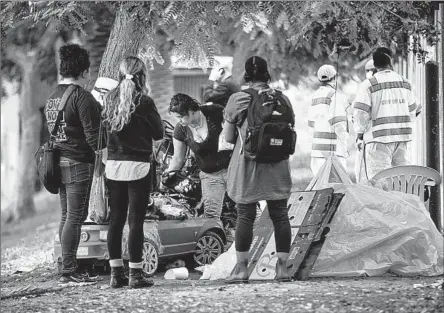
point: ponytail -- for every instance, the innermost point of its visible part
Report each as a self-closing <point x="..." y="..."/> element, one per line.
<point x="120" y="102"/>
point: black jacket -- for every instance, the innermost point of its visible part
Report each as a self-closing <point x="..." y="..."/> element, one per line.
<point x="78" y="134"/>
<point x="221" y="93"/>
<point x="135" y="141"/>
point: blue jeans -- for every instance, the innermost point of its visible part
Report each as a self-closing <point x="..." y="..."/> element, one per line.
<point x="214" y="186"/>
<point x="74" y="197"/>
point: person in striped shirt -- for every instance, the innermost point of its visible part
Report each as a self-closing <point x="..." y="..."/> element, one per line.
<point x="327" y="120"/>
<point x="383" y="111"/>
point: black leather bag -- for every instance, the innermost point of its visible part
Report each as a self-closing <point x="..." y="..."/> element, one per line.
<point x="47" y="157"/>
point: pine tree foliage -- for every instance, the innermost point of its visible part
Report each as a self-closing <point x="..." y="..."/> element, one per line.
<point x="295" y="36"/>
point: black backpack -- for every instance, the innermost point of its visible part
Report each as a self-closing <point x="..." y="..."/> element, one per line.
<point x="269" y="136"/>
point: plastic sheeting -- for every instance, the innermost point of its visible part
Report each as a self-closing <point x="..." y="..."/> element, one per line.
<point x="373" y="232"/>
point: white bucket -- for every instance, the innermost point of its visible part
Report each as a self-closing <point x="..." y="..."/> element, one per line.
<point x="177" y="273"/>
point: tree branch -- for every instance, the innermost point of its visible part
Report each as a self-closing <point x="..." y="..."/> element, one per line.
<point x="381" y="6"/>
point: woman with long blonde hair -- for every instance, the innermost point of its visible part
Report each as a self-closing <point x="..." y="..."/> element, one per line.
<point x="133" y="122"/>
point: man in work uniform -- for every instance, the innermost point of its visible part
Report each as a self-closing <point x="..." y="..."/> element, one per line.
<point x="383" y="112"/>
<point x="327" y="121"/>
<point x="370" y="70"/>
<point x="223" y="85"/>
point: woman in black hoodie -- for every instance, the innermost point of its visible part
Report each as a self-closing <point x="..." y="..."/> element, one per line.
<point x="133" y="122"/>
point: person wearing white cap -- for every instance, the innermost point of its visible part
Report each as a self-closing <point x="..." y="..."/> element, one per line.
<point x="383" y="112"/>
<point x="223" y="85"/>
<point x="370" y="69"/>
<point x="327" y="121"/>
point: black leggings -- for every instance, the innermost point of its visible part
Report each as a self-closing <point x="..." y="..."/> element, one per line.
<point x="246" y="214"/>
<point x="136" y="194"/>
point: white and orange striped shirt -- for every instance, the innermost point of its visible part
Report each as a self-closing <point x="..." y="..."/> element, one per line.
<point x="385" y="108"/>
<point x="327" y="123"/>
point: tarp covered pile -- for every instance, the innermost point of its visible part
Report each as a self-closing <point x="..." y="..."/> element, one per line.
<point x="372" y="232"/>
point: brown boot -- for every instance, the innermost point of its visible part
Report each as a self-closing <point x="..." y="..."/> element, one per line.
<point x="118" y="277"/>
<point x="138" y="280"/>
<point x="281" y="269"/>
<point x="239" y="274"/>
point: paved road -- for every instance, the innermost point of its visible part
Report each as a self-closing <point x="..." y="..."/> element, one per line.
<point x="384" y="294"/>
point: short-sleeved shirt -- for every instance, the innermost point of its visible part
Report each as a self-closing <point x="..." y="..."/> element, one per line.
<point x="249" y="181"/>
<point x="208" y="158"/>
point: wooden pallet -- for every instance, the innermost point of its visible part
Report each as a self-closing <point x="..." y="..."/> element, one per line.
<point x="309" y="213"/>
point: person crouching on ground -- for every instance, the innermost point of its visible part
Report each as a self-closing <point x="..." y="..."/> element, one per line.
<point x="199" y="129"/>
<point x="249" y="181"/>
<point x="133" y="122"/>
<point x="76" y="141"/>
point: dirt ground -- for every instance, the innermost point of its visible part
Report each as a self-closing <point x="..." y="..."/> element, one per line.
<point x="382" y="294"/>
<point x="28" y="246"/>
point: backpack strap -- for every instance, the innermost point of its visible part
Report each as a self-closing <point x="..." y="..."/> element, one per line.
<point x="68" y="92"/>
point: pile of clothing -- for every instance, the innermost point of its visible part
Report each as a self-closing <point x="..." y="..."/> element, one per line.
<point x="167" y="208"/>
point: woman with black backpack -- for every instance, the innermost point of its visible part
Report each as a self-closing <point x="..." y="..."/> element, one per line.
<point x="255" y="174"/>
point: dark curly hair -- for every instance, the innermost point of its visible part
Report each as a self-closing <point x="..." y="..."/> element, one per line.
<point x="74" y="60"/>
<point x="182" y="104"/>
<point x="382" y="57"/>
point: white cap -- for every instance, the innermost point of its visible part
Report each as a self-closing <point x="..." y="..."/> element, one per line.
<point x="326" y="72"/>
<point x="221" y="62"/>
<point x="369" y="65"/>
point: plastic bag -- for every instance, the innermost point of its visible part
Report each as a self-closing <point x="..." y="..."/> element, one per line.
<point x="98" y="202"/>
<point x="391" y="231"/>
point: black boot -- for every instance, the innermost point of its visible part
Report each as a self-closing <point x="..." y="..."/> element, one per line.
<point x="118" y="278"/>
<point x="137" y="279"/>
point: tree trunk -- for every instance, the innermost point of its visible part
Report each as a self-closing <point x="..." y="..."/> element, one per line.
<point x="162" y="84"/>
<point x="127" y="38"/>
<point x="30" y="120"/>
<point x="96" y="44"/>
<point x="241" y="53"/>
<point x="30" y="123"/>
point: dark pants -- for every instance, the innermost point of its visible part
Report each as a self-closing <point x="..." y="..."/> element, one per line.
<point x="136" y="194"/>
<point x="246" y="214"/>
<point x="74" y="197"/>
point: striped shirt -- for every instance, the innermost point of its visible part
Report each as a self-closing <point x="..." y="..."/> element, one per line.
<point x="384" y="108"/>
<point x="327" y="123"/>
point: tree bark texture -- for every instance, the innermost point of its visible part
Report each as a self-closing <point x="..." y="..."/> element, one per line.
<point x="241" y="53"/>
<point x="126" y="38"/>
<point x="162" y="84"/>
<point x="96" y="44"/>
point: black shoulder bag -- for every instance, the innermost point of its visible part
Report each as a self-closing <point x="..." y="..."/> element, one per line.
<point x="46" y="157"/>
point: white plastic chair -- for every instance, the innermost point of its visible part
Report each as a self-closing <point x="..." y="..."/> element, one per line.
<point x="411" y="179"/>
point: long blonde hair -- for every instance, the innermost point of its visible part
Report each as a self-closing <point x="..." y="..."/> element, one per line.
<point x="120" y="102"/>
